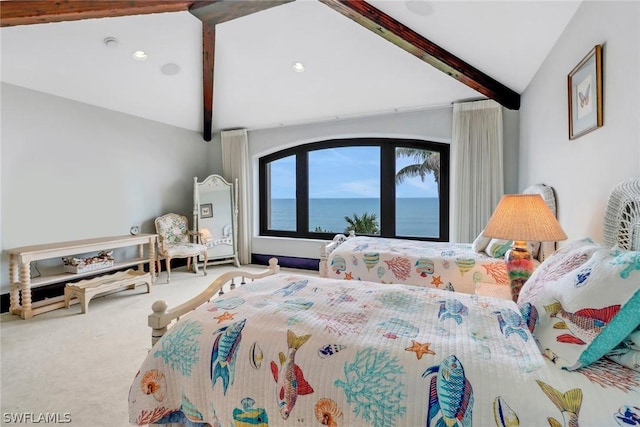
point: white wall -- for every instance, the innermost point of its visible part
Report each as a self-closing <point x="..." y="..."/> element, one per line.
<point x="72" y="171"/>
<point x="584" y="170"/>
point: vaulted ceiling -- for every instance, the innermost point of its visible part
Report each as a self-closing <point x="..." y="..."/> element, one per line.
<point x="223" y="64"/>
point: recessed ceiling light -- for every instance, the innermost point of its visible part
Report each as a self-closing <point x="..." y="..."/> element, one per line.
<point x="170" y="69"/>
<point x="419" y="7"/>
<point x="140" y="55"/>
<point x="111" y="42"/>
<point x="298" y="67"/>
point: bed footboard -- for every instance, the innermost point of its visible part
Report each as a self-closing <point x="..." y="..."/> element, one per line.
<point x="161" y="318"/>
<point x="326" y="249"/>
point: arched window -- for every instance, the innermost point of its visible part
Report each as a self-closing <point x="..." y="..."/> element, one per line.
<point x="376" y="186"/>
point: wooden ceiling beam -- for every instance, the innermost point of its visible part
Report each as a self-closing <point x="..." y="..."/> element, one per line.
<point x="212" y="13"/>
<point x="402" y="36"/>
<point x="14" y="12"/>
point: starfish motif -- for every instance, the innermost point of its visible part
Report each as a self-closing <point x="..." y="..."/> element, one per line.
<point x="224" y="316"/>
<point x="420" y="349"/>
<point x="436" y="281"/>
<point x="348" y="275"/>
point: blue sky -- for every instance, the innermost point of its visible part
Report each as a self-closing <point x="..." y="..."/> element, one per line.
<point x="348" y="172"/>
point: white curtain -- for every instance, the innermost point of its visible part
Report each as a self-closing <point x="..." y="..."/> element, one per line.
<point x="235" y="166"/>
<point x="478" y="183"/>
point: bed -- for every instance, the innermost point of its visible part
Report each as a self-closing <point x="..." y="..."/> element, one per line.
<point x="457" y="266"/>
<point x="291" y="349"/>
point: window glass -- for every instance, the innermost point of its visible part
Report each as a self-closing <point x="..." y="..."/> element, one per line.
<point x="417" y="198"/>
<point x="374" y="186"/>
<point x="281" y="177"/>
<point x="344" y="190"/>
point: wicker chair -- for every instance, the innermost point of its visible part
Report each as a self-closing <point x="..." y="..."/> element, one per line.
<point x="175" y="240"/>
<point x="622" y="216"/>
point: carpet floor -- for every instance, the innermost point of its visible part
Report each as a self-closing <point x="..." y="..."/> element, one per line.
<point x="77" y="368"/>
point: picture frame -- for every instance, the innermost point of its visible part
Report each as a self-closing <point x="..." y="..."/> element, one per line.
<point x="206" y="210"/>
<point x="584" y="84"/>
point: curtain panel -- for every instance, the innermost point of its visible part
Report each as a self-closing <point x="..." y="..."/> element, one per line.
<point x="477" y="146"/>
<point x="235" y="166"/>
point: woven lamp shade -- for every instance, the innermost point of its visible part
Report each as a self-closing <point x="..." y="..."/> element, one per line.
<point x="524" y="217"/>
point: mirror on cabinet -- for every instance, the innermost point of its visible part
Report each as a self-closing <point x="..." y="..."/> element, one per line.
<point x="215" y="217"/>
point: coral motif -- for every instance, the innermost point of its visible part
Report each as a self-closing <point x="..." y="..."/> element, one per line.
<point x="179" y="348"/>
<point x="343" y="323"/>
<point x="372" y="386"/>
<point x="400" y="267"/>
<point x="148" y="417"/>
<point x="609" y="374"/>
<point x="153" y="382"/>
<point x="629" y="258"/>
<point x="327" y="411"/>
<point x="498" y="271"/>
<point x="400" y="301"/>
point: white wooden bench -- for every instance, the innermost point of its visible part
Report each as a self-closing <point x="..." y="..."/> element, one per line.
<point x="84" y="290"/>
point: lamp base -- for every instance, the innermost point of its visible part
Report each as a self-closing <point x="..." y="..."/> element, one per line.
<point x="519" y="267"/>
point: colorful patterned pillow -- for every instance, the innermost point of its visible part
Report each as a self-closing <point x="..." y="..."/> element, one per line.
<point x="582" y="302"/>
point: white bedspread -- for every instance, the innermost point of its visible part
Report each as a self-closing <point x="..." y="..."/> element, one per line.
<point x="431" y="264"/>
<point x="303" y="351"/>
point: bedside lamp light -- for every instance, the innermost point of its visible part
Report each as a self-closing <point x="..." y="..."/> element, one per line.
<point x="205" y="235"/>
<point x="521" y="218"/>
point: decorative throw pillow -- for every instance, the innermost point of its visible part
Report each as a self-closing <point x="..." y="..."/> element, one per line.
<point x="582" y="302"/>
<point x="633" y="340"/>
<point x="480" y="243"/>
<point x="626" y="357"/>
<point x="497" y="248"/>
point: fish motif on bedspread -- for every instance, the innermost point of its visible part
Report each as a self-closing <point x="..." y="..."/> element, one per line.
<point x="363" y="354"/>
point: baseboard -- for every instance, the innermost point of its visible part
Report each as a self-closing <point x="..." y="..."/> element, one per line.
<point x="287" y="261"/>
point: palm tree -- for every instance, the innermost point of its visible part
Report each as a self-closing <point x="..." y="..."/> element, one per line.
<point x="426" y="162"/>
<point x="365" y="224"/>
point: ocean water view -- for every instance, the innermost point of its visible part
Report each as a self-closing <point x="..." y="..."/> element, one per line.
<point x="415" y="217"/>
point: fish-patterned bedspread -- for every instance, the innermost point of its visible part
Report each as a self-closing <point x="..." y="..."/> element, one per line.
<point x="295" y="350"/>
<point x="431" y="264"/>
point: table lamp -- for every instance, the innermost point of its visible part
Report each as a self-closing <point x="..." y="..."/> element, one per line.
<point x="522" y="218"/>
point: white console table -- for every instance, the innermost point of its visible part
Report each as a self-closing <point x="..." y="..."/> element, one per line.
<point x="20" y="267"/>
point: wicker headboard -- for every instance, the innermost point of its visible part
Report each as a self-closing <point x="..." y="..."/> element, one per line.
<point x="622" y="216"/>
<point x="549" y="197"/>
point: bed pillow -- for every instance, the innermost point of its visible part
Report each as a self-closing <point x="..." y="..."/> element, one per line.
<point x="626" y="357"/>
<point x="633" y="340"/>
<point x="497" y="248"/>
<point x="582" y="302"/>
<point x="480" y="243"/>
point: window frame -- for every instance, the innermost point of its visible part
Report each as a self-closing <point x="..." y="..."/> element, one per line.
<point x="387" y="185"/>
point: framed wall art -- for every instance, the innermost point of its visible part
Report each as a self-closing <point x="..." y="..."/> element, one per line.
<point x="206" y="210"/>
<point x="585" y="94"/>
